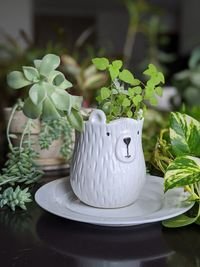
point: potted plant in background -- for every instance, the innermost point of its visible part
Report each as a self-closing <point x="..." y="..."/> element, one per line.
<point x="52" y="140"/>
<point x="108" y="168"/>
<point x="48" y="100"/>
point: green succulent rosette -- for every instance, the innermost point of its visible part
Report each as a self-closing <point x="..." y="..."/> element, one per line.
<point x="47" y="98"/>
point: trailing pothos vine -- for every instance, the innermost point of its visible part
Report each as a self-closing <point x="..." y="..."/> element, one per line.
<point x="177" y="155"/>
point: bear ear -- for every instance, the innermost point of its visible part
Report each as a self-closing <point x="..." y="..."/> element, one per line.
<point x="97" y="116"/>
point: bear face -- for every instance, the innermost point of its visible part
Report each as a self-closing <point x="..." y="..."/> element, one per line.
<point x="118" y="138"/>
<point x="108" y="161"/>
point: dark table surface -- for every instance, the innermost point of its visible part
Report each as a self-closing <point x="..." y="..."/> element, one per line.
<point x="38" y="238"/>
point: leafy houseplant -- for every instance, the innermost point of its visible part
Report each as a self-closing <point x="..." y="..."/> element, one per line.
<point x="111" y="136"/>
<point x="47" y="99"/>
<point x="177" y="155"/>
<point x="47" y="96"/>
<point x="109" y="150"/>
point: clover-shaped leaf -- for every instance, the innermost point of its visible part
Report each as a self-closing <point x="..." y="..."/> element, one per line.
<point x="117" y="64"/>
<point x="114" y="72"/>
<point x="105" y="93"/>
<point x="126" y="76"/>
<point x="101" y="63"/>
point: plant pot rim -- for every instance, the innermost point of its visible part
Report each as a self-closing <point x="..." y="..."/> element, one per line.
<point x="98" y="116"/>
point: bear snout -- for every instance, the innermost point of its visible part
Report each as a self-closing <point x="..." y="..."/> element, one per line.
<point x="127" y="140"/>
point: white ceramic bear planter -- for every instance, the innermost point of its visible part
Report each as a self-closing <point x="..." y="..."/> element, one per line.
<point x="108" y="167"/>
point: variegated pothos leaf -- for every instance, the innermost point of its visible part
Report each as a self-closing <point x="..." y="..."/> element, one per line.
<point x="184" y="170"/>
<point x="184" y="135"/>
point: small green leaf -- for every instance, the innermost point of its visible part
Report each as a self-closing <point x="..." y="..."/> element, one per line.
<point x="116" y="110"/>
<point x="105" y="93"/>
<point x="149" y="91"/>
<point x="114" y="72"/>
<point x="114" y="91"/>
<point x="101" y="63"/>
<point x="31" y="110"/>
<point x="62" y="100"/>
<point x="182" y="171"/>
<point x="106" y="107"/>
<point x="129" y="113"/>
<point x="37" y="63"/>
<point x="31" y="74"/>
<point x="159" y="91"/>
<point x="37" y="94"/>
<point x="179" y="221"/>
<point x="151" y="70"/>
<point x="136" y="82"/>
<point x="131" y="91"/>
<point x="49" y="111"/>
<point x="138" y="90"/>
<point x="75" y="119"/>
<point x="16" y="80"/>
<point x="137" y="99"/>
<point x="161" y="77"/>
<point x="99" y="99"/>
<point x="153" y="101"/>
<point x="117" y="64"/>
<point x="126" y="102"/>
<point x="126" y="76"/>
<point x="49" y="63"/>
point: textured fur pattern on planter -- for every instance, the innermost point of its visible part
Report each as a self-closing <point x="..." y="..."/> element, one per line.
<point x="108" y="167"/>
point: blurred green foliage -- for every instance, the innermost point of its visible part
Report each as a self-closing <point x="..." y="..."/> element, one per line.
<point x="187" y="82"/>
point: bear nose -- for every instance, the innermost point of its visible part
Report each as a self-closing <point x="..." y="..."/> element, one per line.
<point x="127" y="140"/>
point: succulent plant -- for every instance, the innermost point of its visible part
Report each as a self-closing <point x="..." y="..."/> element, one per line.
<point x="47" y="97"/>
<point x="13" y="198"/>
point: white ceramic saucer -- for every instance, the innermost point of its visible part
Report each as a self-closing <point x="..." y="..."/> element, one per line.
<point x="152" y="206"/>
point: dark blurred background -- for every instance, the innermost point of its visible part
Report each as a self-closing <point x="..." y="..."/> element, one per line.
<point x="164" y="32"/>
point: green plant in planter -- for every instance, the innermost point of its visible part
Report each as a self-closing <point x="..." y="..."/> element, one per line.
<point x="177" y="154"/>
<point x="126" y="96"/>
<point x="48" y="100"/>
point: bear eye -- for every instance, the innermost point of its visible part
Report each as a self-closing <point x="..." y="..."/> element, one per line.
<point x="108" y="133"/>
<point x="138" y="132"/>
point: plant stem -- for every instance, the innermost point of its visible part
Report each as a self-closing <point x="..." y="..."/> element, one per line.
<point x="28" y="123"/>
<point x="8" y="126"/>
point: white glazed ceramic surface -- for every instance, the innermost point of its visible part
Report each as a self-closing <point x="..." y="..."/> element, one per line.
<point x="108" y="167"/>
<point x="58" y="198"/>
